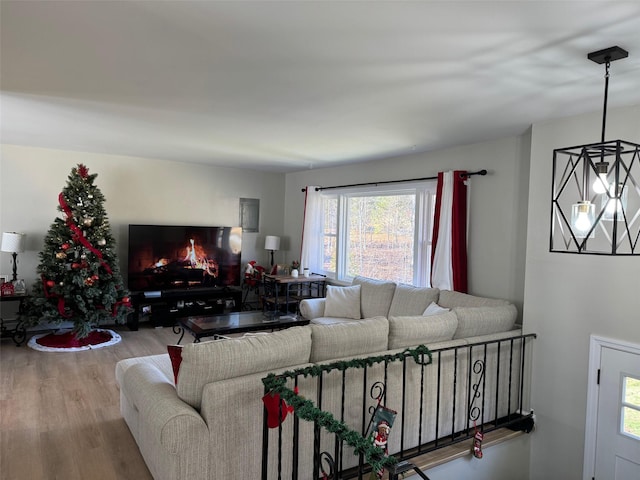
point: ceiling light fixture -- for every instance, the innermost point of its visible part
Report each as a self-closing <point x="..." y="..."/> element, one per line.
<point x="595" y="205"/>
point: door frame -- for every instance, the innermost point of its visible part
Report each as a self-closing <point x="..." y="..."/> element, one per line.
<point x="596" y="344"/>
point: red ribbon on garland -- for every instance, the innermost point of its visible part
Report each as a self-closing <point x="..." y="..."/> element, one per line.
<point x="60" y="298"/>
<point x="117" y="304"/>
<point x="78" y="235"/>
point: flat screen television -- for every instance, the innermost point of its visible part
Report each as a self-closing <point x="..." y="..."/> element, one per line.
<point x="169" y="257"/>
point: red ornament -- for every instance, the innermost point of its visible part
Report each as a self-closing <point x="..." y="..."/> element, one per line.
<point x="95" y="278"/>
<point x="51" y="283"/>
<point x="125" y="300"/>
<point x="75" y="265"/>
<point x="65" y="246"/>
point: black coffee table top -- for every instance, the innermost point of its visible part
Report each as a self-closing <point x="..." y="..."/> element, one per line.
<point x="236" y="322"/>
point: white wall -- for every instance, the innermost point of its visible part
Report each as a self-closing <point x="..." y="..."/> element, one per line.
<point x="508" y="460"/>
<point x="497" y="213"/>
<point x="567" y="298"/>
<point x="137" y="190"/>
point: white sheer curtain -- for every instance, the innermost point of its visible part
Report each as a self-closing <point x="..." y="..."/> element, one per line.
<point x="311" y="253"/>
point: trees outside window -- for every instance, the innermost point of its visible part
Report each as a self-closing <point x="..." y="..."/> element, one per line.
<point x="379" y="233"/>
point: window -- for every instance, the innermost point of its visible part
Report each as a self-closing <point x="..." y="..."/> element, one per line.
<point x="379" y="233"/>
<point x="631" y="407"/>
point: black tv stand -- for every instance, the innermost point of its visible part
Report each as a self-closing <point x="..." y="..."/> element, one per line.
<point x="163" y="308"/>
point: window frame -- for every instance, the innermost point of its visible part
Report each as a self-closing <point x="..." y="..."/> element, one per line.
<point x="424" y="192"/>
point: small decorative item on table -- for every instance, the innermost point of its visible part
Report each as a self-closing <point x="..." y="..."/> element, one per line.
<point x="295" y="265"/>
<point x="6" y="289"/>
<point x="19" y="287"/>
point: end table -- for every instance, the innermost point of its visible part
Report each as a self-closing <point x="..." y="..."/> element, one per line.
<point x="17" y="332"/>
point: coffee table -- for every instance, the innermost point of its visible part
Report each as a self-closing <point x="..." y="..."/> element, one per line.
<point x="236" y="322"/>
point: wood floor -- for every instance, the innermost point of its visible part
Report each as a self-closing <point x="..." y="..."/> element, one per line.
<point x="60" y="412"/>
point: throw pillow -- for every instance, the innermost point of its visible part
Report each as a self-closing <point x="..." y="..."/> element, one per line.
<point x="343" y="302"/>
<point x="434" y="309"/>
<point x="175" y="354"/>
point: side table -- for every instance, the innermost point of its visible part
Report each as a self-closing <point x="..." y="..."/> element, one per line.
<point x="18" y="332"/>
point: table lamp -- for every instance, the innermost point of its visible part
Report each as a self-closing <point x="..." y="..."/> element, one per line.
<point x="271" y="243"/>
<point x="13" y="243"/>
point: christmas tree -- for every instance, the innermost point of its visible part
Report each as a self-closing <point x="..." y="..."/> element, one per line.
<point x="80" y="280"/>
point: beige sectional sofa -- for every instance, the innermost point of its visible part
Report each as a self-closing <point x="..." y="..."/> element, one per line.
<point x="209" y="425"/>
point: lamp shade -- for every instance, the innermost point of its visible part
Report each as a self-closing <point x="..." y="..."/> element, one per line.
<point x="12" y="242"/>
<point x="271" y="242"/>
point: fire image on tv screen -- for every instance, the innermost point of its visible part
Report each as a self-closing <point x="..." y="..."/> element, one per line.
<point x="166" y="257"/>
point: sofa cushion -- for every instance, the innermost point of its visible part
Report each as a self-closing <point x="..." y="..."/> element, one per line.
<point x="415" y="330"/>
<point x="450" y="299"/>
<point x="409" y="300"/>
<point x="348" y="338"/>
<point x="343" y="302"/>
<point x="375" y="296"/>
<point x="208" y="362"/>
<point x="475" y="321"/>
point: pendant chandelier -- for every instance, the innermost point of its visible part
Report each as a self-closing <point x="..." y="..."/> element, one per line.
<point x="595" y="206"/>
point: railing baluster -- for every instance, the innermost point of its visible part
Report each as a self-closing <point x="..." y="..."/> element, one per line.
<point x="453" y="400"/>
<point x="438" y="398"/>
<point x="316" y="432"/>
<point x="404" y="403"/>
<point x="522" y="354"/>
<point x="484" y="385"/>
<point x="364" y="414"/>
<point x="340" y="446"/>
<point x="279" y="441"/>
<point x="469" y="401"/>
<point x="296" y="445"/>
<point x="497" y="381"/>
<point x="510" y="379"/>
<point x="421" y="410"/>
<point x="265" y="442"/>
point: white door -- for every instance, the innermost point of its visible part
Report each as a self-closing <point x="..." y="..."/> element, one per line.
<point x="618" y="426"/>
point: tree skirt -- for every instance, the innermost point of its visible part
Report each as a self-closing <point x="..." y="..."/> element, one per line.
<point x="66" y="341"/>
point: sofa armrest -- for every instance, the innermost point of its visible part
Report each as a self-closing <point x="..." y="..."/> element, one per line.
<point x="174" y="424"/>
<point x="311" y="308"/>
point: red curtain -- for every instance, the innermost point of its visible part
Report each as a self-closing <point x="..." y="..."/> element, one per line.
<point x="449" y="245"/>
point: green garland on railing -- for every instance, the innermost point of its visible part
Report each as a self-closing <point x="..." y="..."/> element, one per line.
<point x="306" y="410"/>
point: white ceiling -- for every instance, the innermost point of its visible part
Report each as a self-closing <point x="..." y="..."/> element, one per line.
<point x="291" y="85"/>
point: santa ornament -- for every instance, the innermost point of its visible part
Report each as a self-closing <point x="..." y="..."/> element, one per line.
<point x="476" y="448"/>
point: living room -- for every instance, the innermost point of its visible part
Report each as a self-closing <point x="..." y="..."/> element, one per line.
<point x="562" y="298"/>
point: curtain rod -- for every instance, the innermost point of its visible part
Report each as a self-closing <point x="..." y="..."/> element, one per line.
<point x="468" y="174"/>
